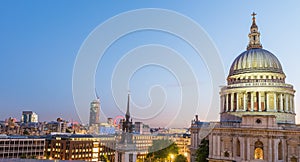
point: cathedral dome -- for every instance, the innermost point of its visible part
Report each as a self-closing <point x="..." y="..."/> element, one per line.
<point x="255" y="60"/>
<point x="256" y="85"/>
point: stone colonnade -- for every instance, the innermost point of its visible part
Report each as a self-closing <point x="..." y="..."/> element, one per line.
<point x="257" y="101"/>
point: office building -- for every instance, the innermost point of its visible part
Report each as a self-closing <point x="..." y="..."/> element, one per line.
<point x="29" y="117"/>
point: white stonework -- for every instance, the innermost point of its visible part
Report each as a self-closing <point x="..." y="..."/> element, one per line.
<point x="257" y="117"/>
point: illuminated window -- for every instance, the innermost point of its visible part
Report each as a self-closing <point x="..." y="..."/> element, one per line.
<point x="258" y="151"/>
<point x="293" y="159"/>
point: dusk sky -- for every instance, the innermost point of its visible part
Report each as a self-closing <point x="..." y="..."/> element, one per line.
<point x="40" y="40"/>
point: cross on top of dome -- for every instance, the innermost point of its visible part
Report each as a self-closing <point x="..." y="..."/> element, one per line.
<point x="253" y="14"/>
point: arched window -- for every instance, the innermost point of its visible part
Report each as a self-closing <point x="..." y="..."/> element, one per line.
<point x="226" y="154"/>
<point x="238" y="148"/>
<point x="280" y="156"/>
<point x="294" y="159"/>
<point x="259" y="150"/>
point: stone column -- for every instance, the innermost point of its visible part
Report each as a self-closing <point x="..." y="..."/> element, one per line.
<point x="231" y="98"/>
<point x="196" y="138"/>
<point x="245" y="101"/>
<point x="259" y="101"/>
<point x="134" y="156"/>
<point x="287" y="108"/>
<point x="221" y="104"/>
<point x="252" y="103"/>
<point x="126" y="157"/>
<point x="237" y="102"/>
<point x="267" y="96"/>
<point x="210" y="145"/>
<point x="193" y="141"/>
<point x="275" y="102"/>
<point x="281" y="103"/>
<point x="292" y="103"/>
<point x="248" y="148"/>
<point x="270" y="150"/>
<point x="276" y="142"/>
<point x="226" y="102"/>
<point x="234" y="141"/>
<point x="284" y="149"/>
<point x="214" y="140"/>
<point x="219" y="146"/>
<point x="242" y="141"/>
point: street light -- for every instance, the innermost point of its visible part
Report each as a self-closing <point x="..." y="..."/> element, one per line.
<point x="172" y="157"/>
<point x="185" y="154"/>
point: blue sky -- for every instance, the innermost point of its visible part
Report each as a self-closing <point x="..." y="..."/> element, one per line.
<point x="40" y="41"/>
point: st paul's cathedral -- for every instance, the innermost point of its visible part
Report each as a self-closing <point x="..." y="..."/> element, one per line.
<point x="257" y="112"/>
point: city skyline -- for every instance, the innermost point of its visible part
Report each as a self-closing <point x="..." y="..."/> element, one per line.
<point x="40" y="43"/>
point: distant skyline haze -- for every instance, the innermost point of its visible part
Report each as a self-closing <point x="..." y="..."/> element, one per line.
<point x="40" y="43"/>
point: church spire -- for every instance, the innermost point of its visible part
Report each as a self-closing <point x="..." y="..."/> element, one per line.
<point x="127" y="115"/>
<point x="254" y="35"/>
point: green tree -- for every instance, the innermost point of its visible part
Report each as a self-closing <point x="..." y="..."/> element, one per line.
<point x="103" y="158"/>
<point x="180" y="158"/>
<point x="25" y="132"/>
<point x="161" y="150"/>
<point x="23" y="156"/>
<point x="203" y="151"/>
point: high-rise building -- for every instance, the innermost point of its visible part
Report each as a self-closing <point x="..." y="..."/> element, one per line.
<point x="95" y="112"/>
<point x="29" y="117"/>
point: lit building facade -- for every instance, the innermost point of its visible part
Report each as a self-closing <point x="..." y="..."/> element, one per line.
<point x="257" y="111"/>
<point x="79" y="147"/>
<point x="21" y="147"/>
<point x="183" y="142"/>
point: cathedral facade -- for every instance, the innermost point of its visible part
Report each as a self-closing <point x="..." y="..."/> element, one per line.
<point x="257" y="111"/>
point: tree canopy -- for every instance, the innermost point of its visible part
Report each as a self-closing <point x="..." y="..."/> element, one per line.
<point x="203" y="151"/>
<point x="180" y="158"/>
<point x="161" y="150"/>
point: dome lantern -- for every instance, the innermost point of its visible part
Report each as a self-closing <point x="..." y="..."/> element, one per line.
<point x="254" y="35"/>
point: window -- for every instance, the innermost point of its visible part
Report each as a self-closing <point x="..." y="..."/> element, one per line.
<point x="226" y="154"/>
<point x="130" y="157"/>
<point x="258" y="121"/>
<point x="258" y="153"/>
<point x="258" y="150"/>
<point x="294" y="159"/>
<point x="238" y="148"/>
<point x="280" y="156"/>
<point x="119" y="157"/>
